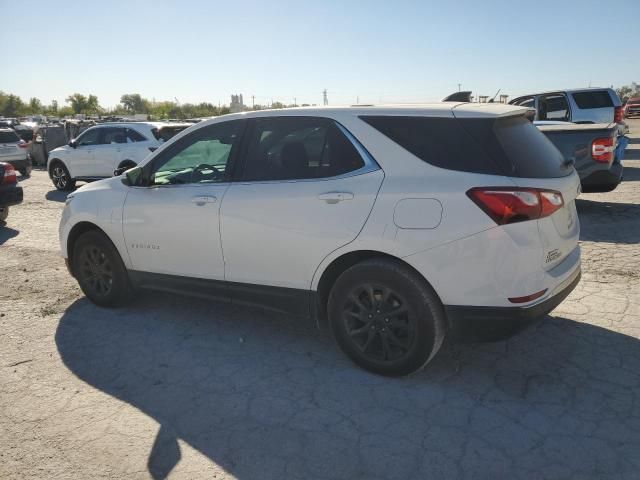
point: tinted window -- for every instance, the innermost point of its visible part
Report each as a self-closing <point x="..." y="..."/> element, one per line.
<point x="597" y="99"/>
<point x="134" y="136"/>
<point x="286" y="148"/>
<point x="495" y="146"/>
<point x="524" y="102"/>
<point x="90" y="137"/>
<point x="9" y="137"/>
<point x="553" y="107"/>
<point x="200" y="157"/>
<point x="114" y="135"/>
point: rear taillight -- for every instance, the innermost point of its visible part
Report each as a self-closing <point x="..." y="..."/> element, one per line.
<point x="617" y="114"/>
<point x="9" y="175"/>
<point x="510" y="205"/>
<point x="602" y="149"/>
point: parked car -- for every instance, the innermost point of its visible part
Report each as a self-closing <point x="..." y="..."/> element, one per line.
<point x="101" y="149"/>
<point x="10" y="192"/>
<point x="595" y="149"/>
<point x="584" y="105"/>
<point x="15" y="151"/>
<point x="632" y="107"/>
<point x="399" y="225"/>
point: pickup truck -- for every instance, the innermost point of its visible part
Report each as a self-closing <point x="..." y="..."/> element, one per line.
<point x="596" y="150"/>
<point x="10" y="192"/>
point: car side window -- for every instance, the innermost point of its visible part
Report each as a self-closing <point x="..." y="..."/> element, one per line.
<point x="296" y="148"/>
<point x="89" y="138"/>
<point x="553" y="107"/>
<point x="200" y="157"/>
<point x="114" y="135"/>
<point x="133" y="136"/>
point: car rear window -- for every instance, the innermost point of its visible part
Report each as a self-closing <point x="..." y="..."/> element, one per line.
<point x="597" y="99"/>
<point x="510" y="146"/>
<point x="9" y="137"/>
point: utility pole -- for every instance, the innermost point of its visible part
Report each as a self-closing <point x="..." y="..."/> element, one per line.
<point x="459" y="85"/>
<point x="295" y="102"/>
<point x="358" y="100"/>
<point x="325" y="100"/>
<point x="253" y="102"/>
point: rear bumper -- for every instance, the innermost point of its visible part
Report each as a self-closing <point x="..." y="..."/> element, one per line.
<point x="18" y="164"/>
<point x="10" y="195"/>
<point x="491" y="324"/>
<point x="599" y="178"/>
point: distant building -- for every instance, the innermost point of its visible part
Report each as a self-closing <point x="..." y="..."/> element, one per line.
<point x="237" y="104"/>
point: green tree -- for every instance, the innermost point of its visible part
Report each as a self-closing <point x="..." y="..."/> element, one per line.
<point x="134" y="103"/>
<point x="35" y="105"/>
<point x="81" y="104"/>
<point x="11" y="105"/>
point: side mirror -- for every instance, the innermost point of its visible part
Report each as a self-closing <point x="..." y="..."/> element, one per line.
<point x="133" y="177"/>
<point x="73" y="144"/>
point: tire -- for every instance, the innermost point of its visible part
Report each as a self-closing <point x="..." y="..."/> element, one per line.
<point x="99" y="270"/>
<point x="386" y="318"/>
<point x="4" y="213"/>
<point x="60" y="177"/>
<point x="26" y="171"/>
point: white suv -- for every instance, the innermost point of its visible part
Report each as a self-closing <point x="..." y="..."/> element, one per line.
<point x="100" y="150"/>
<point x="399" y="225"/>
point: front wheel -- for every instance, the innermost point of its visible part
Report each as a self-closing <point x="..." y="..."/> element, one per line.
<point x="61" y="178"/>
<point x="99" y="270"/>
<point x="386" y="318"/>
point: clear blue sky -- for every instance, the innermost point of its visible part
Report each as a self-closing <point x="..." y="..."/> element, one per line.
<point x="389" y="51"/>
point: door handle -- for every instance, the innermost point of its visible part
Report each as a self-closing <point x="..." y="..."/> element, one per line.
<point x="335" y="197"/>
<point x="200" y="200"/>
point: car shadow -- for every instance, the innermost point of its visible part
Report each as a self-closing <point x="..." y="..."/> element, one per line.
<point x="267" y="398"/>
<point x="631" y="154"/>
<point x="56" y="195"/>
<point x="7" y="233"/>
<point x="608" y="221"/>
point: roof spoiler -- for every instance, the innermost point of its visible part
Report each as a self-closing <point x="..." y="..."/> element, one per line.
<point x="458" y="97"/>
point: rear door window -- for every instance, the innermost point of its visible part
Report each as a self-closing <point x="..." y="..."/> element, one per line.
<point x="553" y="107"/>
<point x="288" y="148"/>
<point x="594" y="99"/>
<point x="114" y="135"/>
<point x="133" y="136"/>
<point x="510" y="146"/>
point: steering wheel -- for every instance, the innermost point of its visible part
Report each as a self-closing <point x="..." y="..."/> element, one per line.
<point x="199" y="175"/>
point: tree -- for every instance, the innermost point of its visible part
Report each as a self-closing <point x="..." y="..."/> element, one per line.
<point x="53" y="108"/>
<point x="81" y="104"/>
<point x="10" y="105"/>
<point x="134" y="103"/>
<point x="35" y="105"/>
<point x="627" y="91"/>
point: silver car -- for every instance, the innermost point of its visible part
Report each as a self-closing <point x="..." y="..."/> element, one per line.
<point x="14" y="150"/>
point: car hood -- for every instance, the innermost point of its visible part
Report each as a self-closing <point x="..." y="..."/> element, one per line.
<point x="112" y="183"/>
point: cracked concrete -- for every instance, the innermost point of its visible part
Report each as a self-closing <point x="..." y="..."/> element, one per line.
<point x="182" y="388"/>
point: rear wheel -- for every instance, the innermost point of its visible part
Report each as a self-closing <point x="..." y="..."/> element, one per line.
<point x="61" y="178"/>
<point x="99" y="270"/>
<point x="26" y="171"/>
<point x="4" y="213"/>
<point x="386" y="318"/>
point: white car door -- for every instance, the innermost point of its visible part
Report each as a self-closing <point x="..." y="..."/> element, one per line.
<point x="80" y="159"/>
<point x="109" y="154"/>
<point x="307" y="189"/>
<point x="171" y="226"/>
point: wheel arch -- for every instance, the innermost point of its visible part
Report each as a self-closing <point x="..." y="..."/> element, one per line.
<point x="76" y="231"/>
<point x="126" y="162"/>
<point x="51" y="162"/>
<point x="345" y="261"/>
